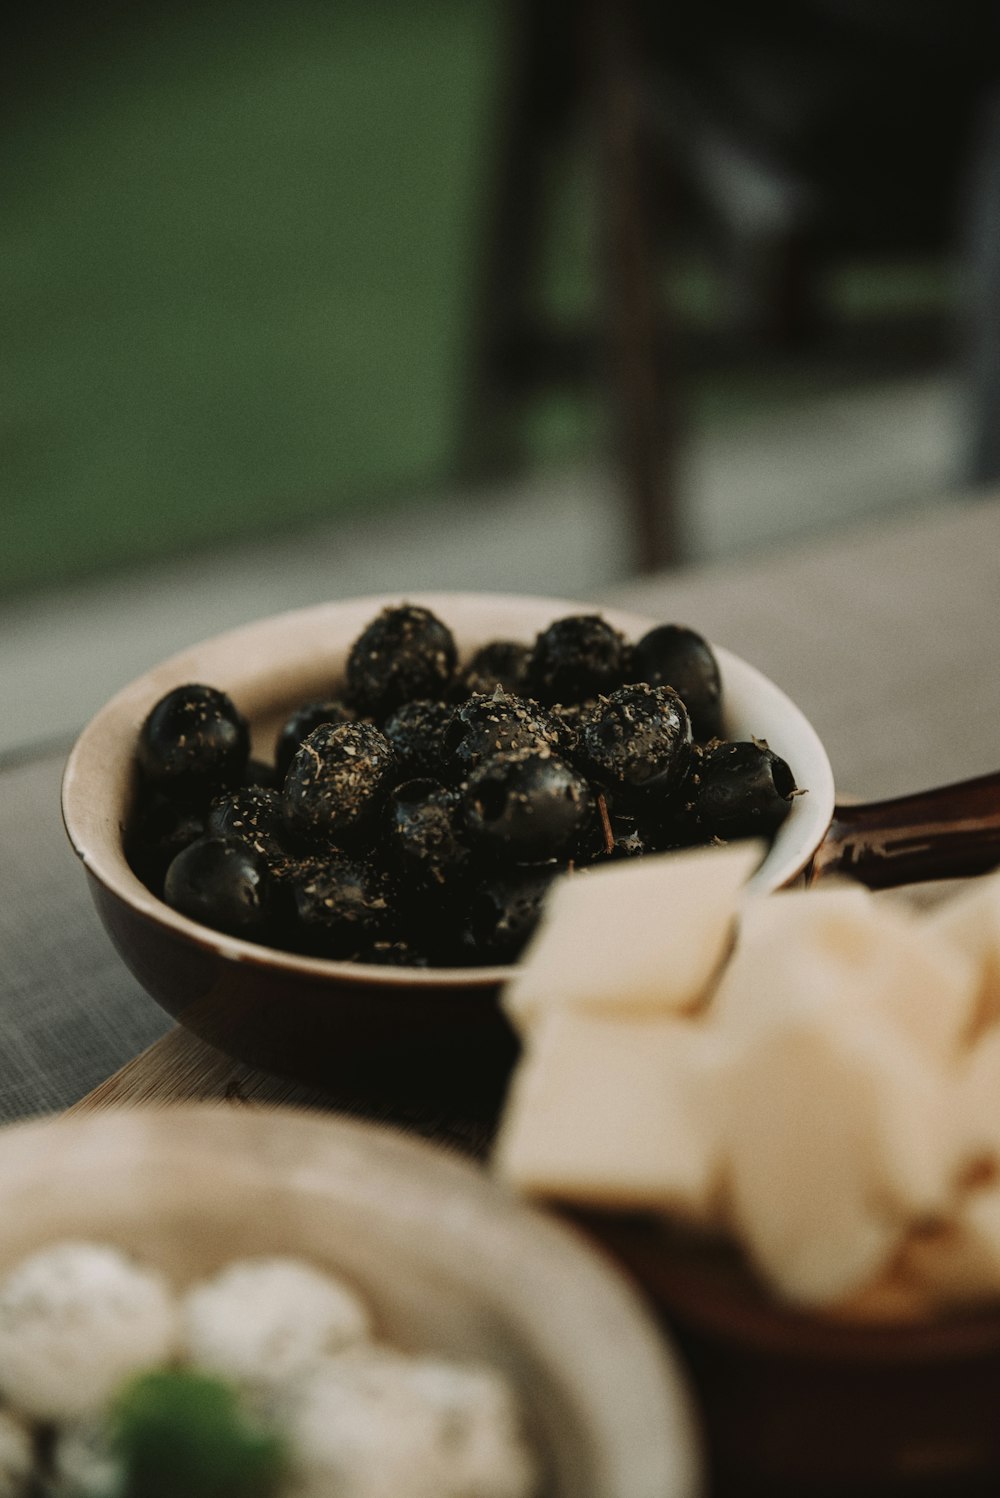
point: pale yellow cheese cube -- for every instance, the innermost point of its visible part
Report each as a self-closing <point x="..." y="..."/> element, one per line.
<point x="977" y="1103"/>
<point x="839" y="950"/>
<point x="971" y="922"/>
<point x="835" y="1142"/>
<point x="616" y="1111"/>
<point x="633" y="936"/>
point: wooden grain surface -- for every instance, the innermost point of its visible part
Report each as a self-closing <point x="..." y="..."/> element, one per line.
<point x="180" y="1068"/>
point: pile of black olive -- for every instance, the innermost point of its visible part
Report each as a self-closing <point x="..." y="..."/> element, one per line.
<point x="417" y="816"/>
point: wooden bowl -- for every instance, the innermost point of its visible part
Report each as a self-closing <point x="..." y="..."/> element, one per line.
<point x="313" y="1018"/>
<point x="449" y="1262"/>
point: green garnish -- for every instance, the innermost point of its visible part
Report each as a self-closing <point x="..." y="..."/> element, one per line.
<point x="185" y="1435"/>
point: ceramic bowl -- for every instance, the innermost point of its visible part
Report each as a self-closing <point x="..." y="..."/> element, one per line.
<point x="311" y="1017"/>
<point x="449" y="1263"/>
<point x="795" y="1405"/>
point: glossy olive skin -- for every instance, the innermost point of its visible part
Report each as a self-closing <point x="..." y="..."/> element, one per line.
<point x="423" y="835"/>
<point x="636" y="741"/>
<point x="253" y="815"/>
<point x="192" y="741"/>
<point x="404" y="653"/>
<point x="674" y="656"/>
<point x="578" y="657"/>
<point x="310" y="716"/>
<point x="224" y="883"/>
<point x="495" y="723"/>
<point x="526" y="807"/>
<point x="341" y="907"/>
<point x="743" y="790"/>
<point x="338" y="781"/>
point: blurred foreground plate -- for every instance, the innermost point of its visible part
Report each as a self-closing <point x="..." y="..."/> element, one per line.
<point x="449" y="1262"/>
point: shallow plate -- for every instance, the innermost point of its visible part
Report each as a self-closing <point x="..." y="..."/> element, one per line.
<point x="449" y="1262"/>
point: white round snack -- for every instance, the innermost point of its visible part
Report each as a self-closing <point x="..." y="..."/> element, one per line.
<point x="381" y="1425"/>
<point x="83" y="1464"/>
<point x="481" y="1429"/>
<point x="262" y="1321"/>
<point x="16" y="1456"/>
<point x="75" y="1320"/>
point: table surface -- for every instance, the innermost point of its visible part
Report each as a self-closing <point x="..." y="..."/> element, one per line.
<point x="887" y="637"/>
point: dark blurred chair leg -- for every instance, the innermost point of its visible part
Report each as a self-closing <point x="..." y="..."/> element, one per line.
<point x="640" y="353"/>
<point x="980" y="324"/>
<point x="567" y="59"/>
<point x="537" y="95"/>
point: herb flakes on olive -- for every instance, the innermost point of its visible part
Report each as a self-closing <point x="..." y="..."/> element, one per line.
<point x="433" y="838"/>
<point x="576" y="658"/>
<point x="338" y="780"/>
<point x="404" y="653"/>
<point x="526" y="806"/>
<point x="194" y="741"/>
<point x="636" y="741"/>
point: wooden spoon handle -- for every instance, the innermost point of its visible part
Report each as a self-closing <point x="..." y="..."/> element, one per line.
<point x="946" y="833"/>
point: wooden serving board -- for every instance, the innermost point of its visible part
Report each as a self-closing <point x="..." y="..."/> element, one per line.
<point x="181" y="1068"/>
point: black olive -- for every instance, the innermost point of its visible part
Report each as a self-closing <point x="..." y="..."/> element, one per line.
<point x="403" y="654"/>
<point x="338" y="781"/>
<point x="743" y="790"/>
<point x="526" y="806"/>
<point x="501" y="663"/>
<point x="193" y="741"/>
<point x="423" y="834"/>
<point x="577" y="657"/>
<point x="416" y="732"/>
<point x="636" y="741"/>
<point x="674" y="656"/>
<point x="253" y="815"/>
<point x="495" y="723"/>
<point x="342" y="906"/>
<point x="303" y="721"/>
<point x="223" y="883"/>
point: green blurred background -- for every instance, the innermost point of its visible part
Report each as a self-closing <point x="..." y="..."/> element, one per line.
<point x="238" y="274"/>
<point x="235" y="273"/>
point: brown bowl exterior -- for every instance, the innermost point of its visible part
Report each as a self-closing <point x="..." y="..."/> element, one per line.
<point x="346" y="1033"/>
<point x="312" y="1018"/>
<point x="795" y="1405"/>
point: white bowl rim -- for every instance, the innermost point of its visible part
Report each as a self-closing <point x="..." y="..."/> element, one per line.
<point x="96" y="835"/>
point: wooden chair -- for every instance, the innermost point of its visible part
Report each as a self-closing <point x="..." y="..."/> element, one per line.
<point x="608" y="72"/>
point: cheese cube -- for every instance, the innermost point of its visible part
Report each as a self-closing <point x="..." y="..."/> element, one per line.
<point x="971" y="922"/>
<point x="637" y="936"/>
<point x="836" y="1141"/>
<point x="614" y="1111"/>
<point x="839" y="950"/>
<point x="977" y="1103"/>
